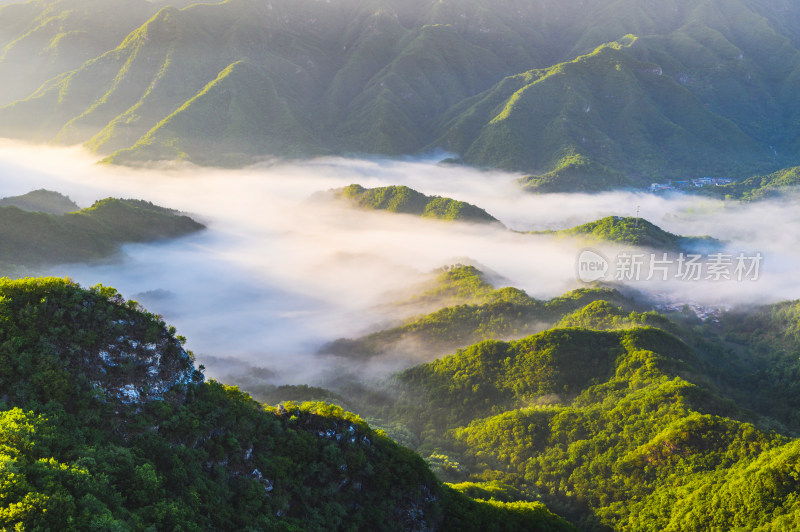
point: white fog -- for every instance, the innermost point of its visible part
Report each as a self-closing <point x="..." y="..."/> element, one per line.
<point x="276" y="276"/>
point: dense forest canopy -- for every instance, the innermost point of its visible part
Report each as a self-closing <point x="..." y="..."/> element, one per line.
<point x="357" y="388"/>
<point x="106" y="424"/>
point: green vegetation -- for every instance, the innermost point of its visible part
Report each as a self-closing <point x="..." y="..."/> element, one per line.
<point x="634" y="232"/>
<point x="627" y="230"/>
<point x="402" y="199"/>
<point x="483" y="314"/>
<point x="453" y="284"/>
<point x="616" y="418"/>
<point x="41" y="201"/>
<point x="614" y="94"/>
<point x="42" y="40"/>
<point x="106" y="425"/>
<point x="34" y="238"/>
<point x="608" y="424"/>
<point x="759" y="187"/>
<point x="576" y="173"/>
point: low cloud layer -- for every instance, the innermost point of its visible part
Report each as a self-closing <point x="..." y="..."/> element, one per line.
<point x="276" y="276"/>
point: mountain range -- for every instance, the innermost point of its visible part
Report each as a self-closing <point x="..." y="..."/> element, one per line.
<point x="615" y="419"/>
<point x="106" y="424"/>
<point x="617" y="415"/>
<point x="577" y="95"/>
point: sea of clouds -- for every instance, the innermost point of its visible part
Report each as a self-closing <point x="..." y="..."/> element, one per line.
<point x="275" y="275"/>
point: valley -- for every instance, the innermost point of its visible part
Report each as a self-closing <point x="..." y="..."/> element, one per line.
<point x="522" y="396"/>
<point x="399" y="265"/>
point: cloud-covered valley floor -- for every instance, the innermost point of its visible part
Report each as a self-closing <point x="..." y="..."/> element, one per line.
<point x="275" y="276"/>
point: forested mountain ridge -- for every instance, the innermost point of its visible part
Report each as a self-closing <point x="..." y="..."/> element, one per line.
<point x="617" y="416"/>
<point x="41" y="201"/>
<point x="760" y="186"/>
<point x="619" y="421"/>
<point x="106" y="424"/>
<point x="484" y="313"/>
<point x="633" y="231"/>
<point x="613" y="93"/>
<point x="32" y="238"/>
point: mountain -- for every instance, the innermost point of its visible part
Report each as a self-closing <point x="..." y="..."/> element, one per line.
<point x="617" y="416"/>
<point x="41" y="40"/>
<point x="34" y="238"/>
<point x="616" y="420"/>
<point x="401" y="199"/>
<point x="106" y="424"/>
<point x="613" y="93"/>
<point x="606" y="114"/>
<point x="453" y="284"/>
<point x="626" y="230"/>
<point x="483" y="313"/>
<point x="634" y="232"/>
<point x="41" y="201"/>
<point x="760" y="186"/>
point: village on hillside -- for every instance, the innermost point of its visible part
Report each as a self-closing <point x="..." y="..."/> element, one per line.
<point x="699" y="182"/>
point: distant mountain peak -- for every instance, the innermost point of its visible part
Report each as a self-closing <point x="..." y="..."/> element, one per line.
<point x="405" y="200"/>
<point x="41" y="200"/>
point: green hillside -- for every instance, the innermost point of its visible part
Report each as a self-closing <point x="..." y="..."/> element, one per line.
<point x="619" y="421"/>
<point x="43" y="39"/>
<point x="401" y="199"/>
<point x="616" y="416"/>
<point x="615" y="419"/>
<point x="578" y="97"/>
<point x="41" y="201"/>
<point x="635" y="232"/>
<point x="451" y="285"/>
<point x="627" y="230"/>
<point x="474" y="311"/>
<point x="600" y="117"/>
<point x="759" y="186"/>
<point x="35" y="238"/>
<point x="105" y="424"/>
<point x="216" y="125"/>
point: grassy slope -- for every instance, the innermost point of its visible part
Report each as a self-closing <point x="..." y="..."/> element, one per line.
<point x="31" y="238"/>
<point x="304" y="78"/>
<point x="599" y="115"/>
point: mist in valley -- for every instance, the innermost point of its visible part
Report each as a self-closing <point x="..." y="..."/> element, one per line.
<point x="276" y="275"/>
